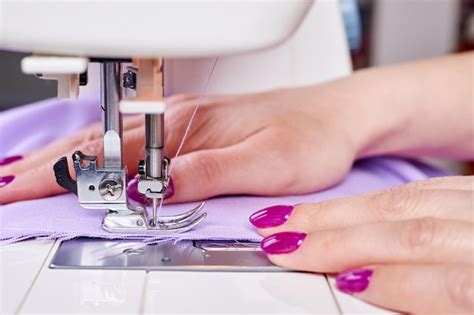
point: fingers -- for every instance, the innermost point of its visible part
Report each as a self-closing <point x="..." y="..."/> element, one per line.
<point x="230" y="170"/>
<point x="419" y="289"/>
<point x="179" y="98"/>
<point x="39" y="181"/>
<point x="211" y="127"/>
<point x="414" y="241"/>
<point x="184" y="100"/>
<point x="203" y="174"/>
<point x="61" y="147"/>
<point x="401" y="203"/>
<point x="54" y="149"/>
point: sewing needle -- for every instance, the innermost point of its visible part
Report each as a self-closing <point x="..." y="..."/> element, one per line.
<point x="155" y="211"/>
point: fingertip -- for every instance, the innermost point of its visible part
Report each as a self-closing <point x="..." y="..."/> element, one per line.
<point x="10" y="159"/>
<point x="278" y="218"/>
<point x="134" y="194"/>
<point x="354" y="281"/>
<point x="189" y="180"/>
<point x="6" y="180"/>
<point x="271" y="216"/>
<point x="24" y="187"/>
<point x="170" y="189"/>
<point x="282" y="242"/>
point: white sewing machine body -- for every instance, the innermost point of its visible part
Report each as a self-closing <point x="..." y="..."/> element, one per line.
<point x="157" y="28"/>
<point x="316" y="52"/>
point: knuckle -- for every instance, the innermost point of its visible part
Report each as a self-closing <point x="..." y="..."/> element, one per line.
<point x="92" y="147"/>
<point x="279" y="154"/>
<point x="207" y="167"/>
<point x="285" y="183"/>
<point x="91" y="135"/>
<point x="418" y="234"/>
<point x="174" y="118"/>
<point x="460" y="287"/>
<point x="306" y="215"/>
<point x="396" y="202"/>
<point x="331" y="240"/>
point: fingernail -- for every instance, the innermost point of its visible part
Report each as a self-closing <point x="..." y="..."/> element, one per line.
<point x="10" y="159"/>
<point x="271" y="216"/>
<point x="5" y="180"/>
<point x="282" y="243"/>
<point x="134" y="194"/>
<point x="170" y="189"/>
<point x="354" y="280"/>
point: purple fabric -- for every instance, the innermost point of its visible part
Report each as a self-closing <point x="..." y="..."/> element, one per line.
<point x="30" y="127"/>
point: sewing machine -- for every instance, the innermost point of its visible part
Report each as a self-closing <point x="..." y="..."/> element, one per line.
<point x="146" y="50"/>
<point x="149" y="31"/>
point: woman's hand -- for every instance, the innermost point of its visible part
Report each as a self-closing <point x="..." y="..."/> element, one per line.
<point x="410" y="248"/>
<point x="288" y="141"/>
<point x="273" y="143"/>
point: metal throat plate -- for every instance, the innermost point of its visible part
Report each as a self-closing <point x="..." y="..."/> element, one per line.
<point x="86" y="253"/>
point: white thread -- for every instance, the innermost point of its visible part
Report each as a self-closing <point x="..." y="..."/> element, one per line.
<point x="188" y="127"/>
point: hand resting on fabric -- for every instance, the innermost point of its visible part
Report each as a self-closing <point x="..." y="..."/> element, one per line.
<point x="409" y="248"/>
<point x="250" y="144"/>
<point x="287" y="141"/>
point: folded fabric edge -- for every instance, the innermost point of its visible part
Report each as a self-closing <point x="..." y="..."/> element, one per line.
<point x="145" y="239"/>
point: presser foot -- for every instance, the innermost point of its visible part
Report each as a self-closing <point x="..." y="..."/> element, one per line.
<point x="138" y="221"/>
<point x="106" y="188"/>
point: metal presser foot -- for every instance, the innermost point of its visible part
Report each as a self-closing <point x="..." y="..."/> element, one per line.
<point x="106" y="187"/>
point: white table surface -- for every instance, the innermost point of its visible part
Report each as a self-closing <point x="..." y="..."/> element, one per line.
<point x="29" y="286"/>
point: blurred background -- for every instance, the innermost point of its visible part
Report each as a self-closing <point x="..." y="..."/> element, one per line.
<point x="380" y="32"/>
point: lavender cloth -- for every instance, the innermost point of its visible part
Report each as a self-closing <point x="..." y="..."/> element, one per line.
<point x="33" y="126"/>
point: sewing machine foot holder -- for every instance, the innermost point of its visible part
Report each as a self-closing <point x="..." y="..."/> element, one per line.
<point x="104" y="187"/>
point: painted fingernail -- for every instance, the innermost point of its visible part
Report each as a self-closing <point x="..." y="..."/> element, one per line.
<point x="271" y="216"/>
<point x="282" y="243"/>
<point x="354" y="280"/>
<point x="134" y="194"/>
<point x="10" y="159"/>
<point x="170" y="189"/>
<point x="5" y="180"/>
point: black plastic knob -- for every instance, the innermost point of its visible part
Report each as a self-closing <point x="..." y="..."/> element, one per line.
<point x="63" y="177"/>
<point x="83" y="78"/>
<point x="130" y="80"/>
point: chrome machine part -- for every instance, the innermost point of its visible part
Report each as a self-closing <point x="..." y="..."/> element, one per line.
<point x="100" y="188"/>
<point x="185" y="255"/>
<point x="165" y="225"/>
<point x="110" y="95"/>
<point x="106" y="187"/>
<point x="154" y="172"/>
<point x="154" y="175"/>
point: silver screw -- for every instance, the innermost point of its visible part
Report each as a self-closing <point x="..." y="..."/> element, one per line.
<point x="111" y="187"/>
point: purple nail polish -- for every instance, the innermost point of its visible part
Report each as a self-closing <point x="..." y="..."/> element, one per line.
<point x="282" y="243"/>
<point x="354" y="280"/>
<point x="134" y="194"/>
<point x="10" y="159"/>
<point x="170" y="189"/>
<point x="5" y="180"/>
<point x="271" y="216"/>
